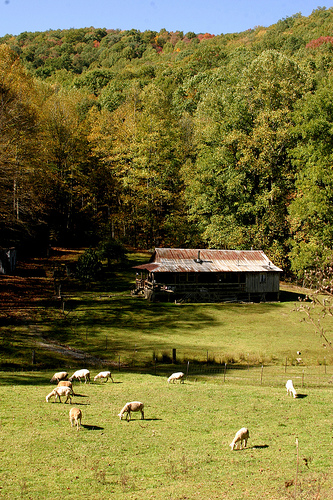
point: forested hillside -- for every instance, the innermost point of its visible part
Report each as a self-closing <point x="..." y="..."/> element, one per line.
<point x="171" y="139"/>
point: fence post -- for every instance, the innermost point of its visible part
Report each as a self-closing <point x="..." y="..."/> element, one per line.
<point x="285" y="366"/>
<point x="225" y="369"/>
<point x="33" y="357"/>
<point x="119" y="364"/>
<point x="303" y="379"/>
<point x="155" y="366"/>
<point x="297" y="465"/>
<point x="187" y="369"/>
<point x="325" y="364"/>
<point x="262" y="369"/>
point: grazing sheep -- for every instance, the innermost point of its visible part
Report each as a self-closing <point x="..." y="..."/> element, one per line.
<point x="79" y="374"/>
<point x="58" y="392"/>
<point x="59" y="376"/>
<point x="66" y="383"/>
<point x="132" y="406"/>
<point x="75" y="416"/>
<point x="290" y="388"/>
<point x="176" y="376"/>
<point x="102" y="375"/>
<point x="242" y="435"/>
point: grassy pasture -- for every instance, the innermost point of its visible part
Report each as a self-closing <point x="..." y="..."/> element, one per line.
<point x="119" y="327"/>
<point x="180" y="451"/>
<point x="104" y="321"/>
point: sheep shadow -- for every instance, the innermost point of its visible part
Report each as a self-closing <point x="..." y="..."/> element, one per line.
<point x="101" y="384"/>
<point x="301" y="396"/>
<point x="92" y="427"/>
<point x="141" y="420"/>
<point x="259" y="446"/>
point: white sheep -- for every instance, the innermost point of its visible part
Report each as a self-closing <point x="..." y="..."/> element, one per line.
<point x="59" y="376"/>
<point x="75" y="416"/>
<point x="176" y="376"/>
<point x="132" y="406"/>
<point x="290" y="388"/>
<point x="103" y="375"/>
<point x="58" y="392"/>
<point x="66" y="383"/>
<point x="242" y="435"/>
<point x="79" y="374"/>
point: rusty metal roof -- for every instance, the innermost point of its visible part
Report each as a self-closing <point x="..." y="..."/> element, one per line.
<point x="177" y="260"/>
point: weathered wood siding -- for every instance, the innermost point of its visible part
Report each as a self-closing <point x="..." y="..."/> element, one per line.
<point x="262" y="282"/>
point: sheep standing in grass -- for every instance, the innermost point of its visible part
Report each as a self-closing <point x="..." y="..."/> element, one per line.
<point x="132" y="406"/>
<point x="75" y="416"/>
<point x="242" y="435"/>
<point x="58" y="392"/>
<point x="103" y="375"/>
<point x="59" y="376"/>
<point x="176" y="376"/>
<point x="81" y="374"/>
<point x="66" y="383"/>
<point x="291" y="389"/>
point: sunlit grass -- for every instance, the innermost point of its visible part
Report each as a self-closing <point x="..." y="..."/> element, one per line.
<point x="180" y="449"/>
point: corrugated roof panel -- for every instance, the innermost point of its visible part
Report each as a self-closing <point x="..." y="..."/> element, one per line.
<point x="177" y="260"/>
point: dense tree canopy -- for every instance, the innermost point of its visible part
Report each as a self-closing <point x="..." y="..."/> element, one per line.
<point x="170" y="139"/>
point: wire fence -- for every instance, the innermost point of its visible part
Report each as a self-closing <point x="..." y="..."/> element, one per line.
<point x="245" y="374"/>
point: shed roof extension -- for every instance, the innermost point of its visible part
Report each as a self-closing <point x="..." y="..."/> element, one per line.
<point x="176" y="260"/>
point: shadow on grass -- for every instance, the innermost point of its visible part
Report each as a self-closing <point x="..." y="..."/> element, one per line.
<point x="11" y="378"/>
<point x="92" y="427"/>
<point x="301" y="396"/>
<point x="287" y="296"/>
<point x="259" y="446"/>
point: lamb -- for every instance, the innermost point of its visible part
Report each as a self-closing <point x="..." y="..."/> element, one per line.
<point x="242" y="435"/>
<point x="132" y="406"/>
<point x="66" y="383"/>
<point x="176" y="376"/>
<point x="102" y="375"/>
<point x="75" y="416"/>
<point x="79" y="374"/>
<point x="59" y="376"/>
<point x="290" y="388"/>
<point x="58" y="392"/>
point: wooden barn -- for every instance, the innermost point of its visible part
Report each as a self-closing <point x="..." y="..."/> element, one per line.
<point x="192" y="275"/>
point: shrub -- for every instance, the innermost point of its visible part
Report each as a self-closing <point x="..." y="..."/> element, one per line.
<point x="88" y="266"/>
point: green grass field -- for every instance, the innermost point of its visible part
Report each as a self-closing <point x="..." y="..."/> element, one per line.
<point x="180" y="451"/>
<point x="238" y="356"/>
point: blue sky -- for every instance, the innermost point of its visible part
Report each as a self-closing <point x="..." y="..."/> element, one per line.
<point x="199" y="16"/>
